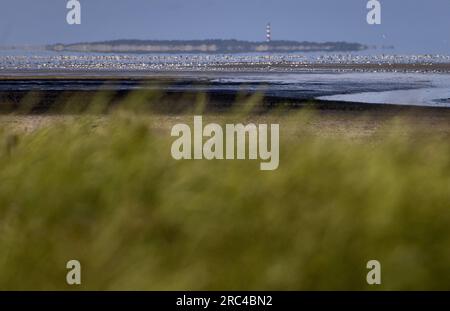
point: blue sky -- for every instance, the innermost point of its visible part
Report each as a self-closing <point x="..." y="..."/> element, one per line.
<point x="410" y="25"/>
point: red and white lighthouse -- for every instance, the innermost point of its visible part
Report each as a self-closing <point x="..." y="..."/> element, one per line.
<point x="268" y="32"/>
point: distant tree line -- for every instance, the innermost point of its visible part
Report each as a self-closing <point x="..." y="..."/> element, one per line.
<point x="207" y="46"/>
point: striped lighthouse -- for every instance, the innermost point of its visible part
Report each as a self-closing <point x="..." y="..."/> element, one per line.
<point x="268" y="33"/>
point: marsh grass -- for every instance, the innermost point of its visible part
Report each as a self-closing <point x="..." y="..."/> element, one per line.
<point x="105" y="191"/>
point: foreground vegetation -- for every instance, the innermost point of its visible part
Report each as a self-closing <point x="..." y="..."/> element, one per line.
<point x="107" y="192"/>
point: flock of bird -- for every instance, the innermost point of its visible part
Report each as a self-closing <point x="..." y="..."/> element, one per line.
<point x="203" y="62"/>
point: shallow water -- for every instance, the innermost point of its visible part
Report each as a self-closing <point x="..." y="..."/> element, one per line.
<point x="202" y="73"/>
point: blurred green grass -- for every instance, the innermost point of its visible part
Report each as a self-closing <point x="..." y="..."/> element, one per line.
<point x="110" y="195"/>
